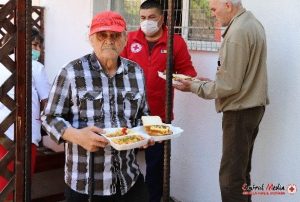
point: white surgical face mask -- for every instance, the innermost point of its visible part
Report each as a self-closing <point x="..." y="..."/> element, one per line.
<point x="149" y="27"/>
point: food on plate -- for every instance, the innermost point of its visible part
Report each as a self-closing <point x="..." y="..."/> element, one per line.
<point x="157" y="130"/>
<point x="119" y="132"/>
<point x="176" y="77"/>
<point x="154" y="126"/>
<point x="128" y="139"/>
<point x="182" y="76"/>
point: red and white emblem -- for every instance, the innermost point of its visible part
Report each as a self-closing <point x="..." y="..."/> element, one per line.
<point x="135" y="47"/>
<point x="292" y="189"/>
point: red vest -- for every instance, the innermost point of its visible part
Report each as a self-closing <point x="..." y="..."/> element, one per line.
<point x="137" y="50"/>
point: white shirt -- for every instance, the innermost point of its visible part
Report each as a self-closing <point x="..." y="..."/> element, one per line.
<point x="40" y="91"/>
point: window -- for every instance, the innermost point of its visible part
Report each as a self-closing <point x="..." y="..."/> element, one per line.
<point x="203" y="33"/>
<point x="192" y="20"/>
<point x="129" y="10"/>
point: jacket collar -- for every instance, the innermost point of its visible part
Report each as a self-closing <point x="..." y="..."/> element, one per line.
<point x="243" y="10"/>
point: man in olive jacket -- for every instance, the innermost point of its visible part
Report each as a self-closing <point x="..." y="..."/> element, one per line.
<point x="240" y="92"/>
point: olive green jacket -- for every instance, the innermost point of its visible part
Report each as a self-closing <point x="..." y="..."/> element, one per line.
<point x="241" y="79"/>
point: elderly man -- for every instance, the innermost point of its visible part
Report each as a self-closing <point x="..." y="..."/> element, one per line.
<point x="97" y="91"/>
<point x="240" y="92"/>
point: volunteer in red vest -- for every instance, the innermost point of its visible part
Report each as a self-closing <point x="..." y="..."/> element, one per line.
<point x="148" y="47"/>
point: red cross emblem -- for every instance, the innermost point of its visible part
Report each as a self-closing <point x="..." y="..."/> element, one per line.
<point x="292" y="189"/>
<point x="135" y="47"/>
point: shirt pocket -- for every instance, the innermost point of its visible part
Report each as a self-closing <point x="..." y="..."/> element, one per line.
<point x="131" y="103"/>
<point x="91" y="106"/>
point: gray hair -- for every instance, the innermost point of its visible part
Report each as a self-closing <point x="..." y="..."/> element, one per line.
<point x="234" y="2"/>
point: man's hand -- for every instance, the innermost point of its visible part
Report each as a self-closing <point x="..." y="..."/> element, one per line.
<point x="184" y="85"/>
<point x="151" y="142"/>
<point x="204" y="79"/>
<point x="88" y="137"/>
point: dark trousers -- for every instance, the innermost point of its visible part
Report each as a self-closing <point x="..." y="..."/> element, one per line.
<point x="154" y="171"/>
<point x="137" y="193"/>
<point x="240" y="129"/>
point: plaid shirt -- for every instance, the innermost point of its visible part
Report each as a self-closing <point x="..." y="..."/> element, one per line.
<point x="84" y="95"/>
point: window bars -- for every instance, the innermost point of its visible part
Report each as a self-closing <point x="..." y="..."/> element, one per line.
<point x="192" y="20"/>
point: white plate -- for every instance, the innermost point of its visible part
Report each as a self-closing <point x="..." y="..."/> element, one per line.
<point x="125" y="146"/>
<point x="139" y="130"/>
<point x="176" y="133"/>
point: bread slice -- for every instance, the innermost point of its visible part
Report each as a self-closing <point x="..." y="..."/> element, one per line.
<point x="151" y="120"/>
<point x="182" y="76"/>
<point x="154" y="126"/>
<point x="158" y="130"/>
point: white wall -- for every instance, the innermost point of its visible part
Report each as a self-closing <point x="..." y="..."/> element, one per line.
<point x="66" y="32"/>
<point x="277" y="155"/>
<point x="196" y="154"/>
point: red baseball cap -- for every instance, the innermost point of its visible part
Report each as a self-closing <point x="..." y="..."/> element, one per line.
<point x="107" y="21"/>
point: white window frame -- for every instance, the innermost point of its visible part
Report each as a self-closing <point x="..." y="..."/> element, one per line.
<point x="195" y="44"/>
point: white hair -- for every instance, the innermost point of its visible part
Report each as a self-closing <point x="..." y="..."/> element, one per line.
<point x="234" y="2"/>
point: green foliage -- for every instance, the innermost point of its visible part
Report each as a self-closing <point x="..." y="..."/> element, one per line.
<point x="200" y="5"/>
<point x="131" y="11"/>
